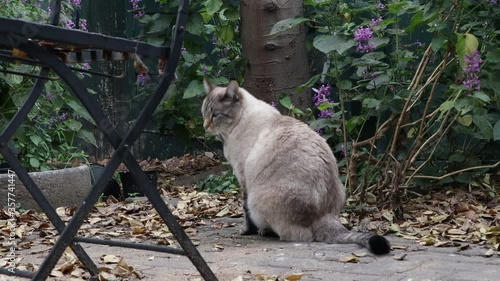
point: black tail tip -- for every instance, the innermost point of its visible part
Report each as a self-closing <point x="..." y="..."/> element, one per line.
<point x="379" y="245"/>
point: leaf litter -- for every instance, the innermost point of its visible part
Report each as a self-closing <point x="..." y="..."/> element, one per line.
<point x="446" y="218"/>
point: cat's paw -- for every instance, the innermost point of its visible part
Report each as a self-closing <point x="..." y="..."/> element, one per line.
<point x="267" y="232"/>
<point x="248" y="230"/>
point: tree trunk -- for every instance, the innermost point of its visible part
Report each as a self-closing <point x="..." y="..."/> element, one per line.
<point x="276" y="64"/>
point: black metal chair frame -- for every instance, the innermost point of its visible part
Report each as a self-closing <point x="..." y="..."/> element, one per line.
<point x="20" y="35"/>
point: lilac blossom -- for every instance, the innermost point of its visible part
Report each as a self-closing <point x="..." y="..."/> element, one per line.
<point x="77" y="3"/>
<point x="204" y="69"/>
<point x="143" y="78"/>
<point x="471" y="69"/>
<point x="323" y="96"/>
<point x="380" y="5"/>
<point x="70" y="24"/>
<point x="49" y="96"/>
<point x="375" y="22"/>
<point x="363" y="35"/>
<point x="343" y="150"/>
<point x="138" y="10"/>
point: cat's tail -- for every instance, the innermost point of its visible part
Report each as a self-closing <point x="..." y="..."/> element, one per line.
<point x="329" y="230"/>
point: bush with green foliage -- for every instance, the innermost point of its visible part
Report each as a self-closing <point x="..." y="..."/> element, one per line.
<point x="423" y="74"/>
<point x="49" y="133"/>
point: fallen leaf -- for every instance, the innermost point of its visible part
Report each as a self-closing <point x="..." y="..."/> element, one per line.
<point x="400" y="257"/>
<point x="351" y="259"/>
<point x="294" y="276"/>
<point x="110" y="259"/>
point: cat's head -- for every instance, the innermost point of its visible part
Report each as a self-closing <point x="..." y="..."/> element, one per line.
<point x="221" y="108"/>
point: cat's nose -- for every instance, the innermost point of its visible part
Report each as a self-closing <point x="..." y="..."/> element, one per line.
<point x="207" y="122"/>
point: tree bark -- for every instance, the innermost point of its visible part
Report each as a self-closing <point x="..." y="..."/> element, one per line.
<point x="276" y="64"/>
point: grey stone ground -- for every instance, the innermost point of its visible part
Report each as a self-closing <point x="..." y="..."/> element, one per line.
<point x="250" y="255"/>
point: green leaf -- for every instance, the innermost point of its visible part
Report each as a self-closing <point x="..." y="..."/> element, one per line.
<point x="35" y="163"/>
<point x="484" y="126"/>
<point x="287" y="24"/>
<point x="74" y="125"/>
<point x="195" y="24"/>
<point x="212" y="6"/>
<point x="286" y="102"/>
<point x="80" y="111"/>
<point x="447" y="105"/>
<point x="36" y="139"/>
<point x="13" y="80"/>
<point x="394" y="8"/>
<point x="316" y="2"/>
<point x="194" y="89"/>
<point x="87" y="136"/>
<point x="466" y="44"/>
<point x="325" y="105"/>
<point x="371" y="103"/>
<point x="226" y="33"/>
<point x="345" y="84"/>
<point x="465" y="120"/>
<point x="437" y="43"/>
<point x="481" y="96"/>
<point x="352" y="123"/>
<point x="329" y="43"/>
<point x="496" y="131"/>
<point x="493" y="56"/>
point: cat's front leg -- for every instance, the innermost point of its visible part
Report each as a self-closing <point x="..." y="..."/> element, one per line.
<point x="249" y="227"/>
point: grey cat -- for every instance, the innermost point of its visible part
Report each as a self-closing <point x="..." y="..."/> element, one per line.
<point x="289" y="175"/>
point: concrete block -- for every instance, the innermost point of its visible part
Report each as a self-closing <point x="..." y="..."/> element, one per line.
<point x="65" y="187"/>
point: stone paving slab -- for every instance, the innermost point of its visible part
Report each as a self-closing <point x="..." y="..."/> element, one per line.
<point x="250" y="255"/>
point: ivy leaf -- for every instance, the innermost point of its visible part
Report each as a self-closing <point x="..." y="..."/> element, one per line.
<point x="194" y="89"/>
<point x="496" y="131"/>
<point x="286" y="24"/>
<point x="329" y="43"/>
<point x="466" y="44"/>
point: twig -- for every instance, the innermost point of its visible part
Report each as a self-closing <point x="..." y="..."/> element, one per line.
<point x="459" y="171"/>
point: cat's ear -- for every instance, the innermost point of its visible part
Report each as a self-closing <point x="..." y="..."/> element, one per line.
<point x="232" y="91"/>
<point x="208" y="86"/>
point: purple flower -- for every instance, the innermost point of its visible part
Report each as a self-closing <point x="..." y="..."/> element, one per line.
<point x="63" y="116"/>
<point x="77" y="3"/>
<point x="419" y="44"/>
<point x="204" y="69"/>
<point x="343" y="150"/>
<point x="320" y="131"/>
<point x="143" y="78"/>
<point x="380" y="5"/>
<point x="273" y="104"/>
<point x="70" y="24"/>
<point x="83" y="25"/>
<point x="375" y="22"/>
<point x="183" y="50"/>
<point x="471" y="70"/>
<point x="323" y="96"/>
<point x="49" y="96"/>
<point x="363" y="35"/>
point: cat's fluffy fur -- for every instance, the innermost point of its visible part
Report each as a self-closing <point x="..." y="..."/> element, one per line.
<point x="288" y="173"/>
